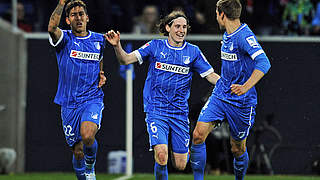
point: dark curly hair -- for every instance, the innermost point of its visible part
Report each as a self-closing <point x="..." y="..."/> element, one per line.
<point x="75" y="3"/>
<point x="168" y="20"/>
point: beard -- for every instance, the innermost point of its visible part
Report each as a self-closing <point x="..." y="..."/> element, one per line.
<point x="77" y="29"/>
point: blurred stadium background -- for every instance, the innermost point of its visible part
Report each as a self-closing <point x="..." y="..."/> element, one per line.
<point x="285" y="139"/>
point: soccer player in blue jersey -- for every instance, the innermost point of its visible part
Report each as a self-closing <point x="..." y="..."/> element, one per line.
<point x="172" y="62"/>
<point x="234" y="97"/>
<point x="79" y="56"/>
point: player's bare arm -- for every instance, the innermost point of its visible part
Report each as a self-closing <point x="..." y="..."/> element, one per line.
<point x="114" y="39"/>
<point x="242" y="89"/>
<point x="213" y="78"/>
<point x="103" y="78"/>
<point x="54" y="21"/>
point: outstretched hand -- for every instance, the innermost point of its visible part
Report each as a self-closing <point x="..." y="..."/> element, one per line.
<point x="103" y="79"/>
<point x="112" y="37"/>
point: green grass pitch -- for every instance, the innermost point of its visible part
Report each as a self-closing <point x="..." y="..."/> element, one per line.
<point x="71" y="176"/>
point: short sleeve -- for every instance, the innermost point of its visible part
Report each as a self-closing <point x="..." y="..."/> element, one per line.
<point x="145" y="51"/>
<point x="61" y="41"/>
<point x="249" y="44"/>
<point x="201" y="65"/>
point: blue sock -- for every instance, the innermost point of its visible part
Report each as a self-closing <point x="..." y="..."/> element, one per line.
<point x="90" y="155"/>
<point x="198" y="160"/>
<point x="240" y="165"/>
<point x="79" y="167"/>
<point x="160" y="172"/>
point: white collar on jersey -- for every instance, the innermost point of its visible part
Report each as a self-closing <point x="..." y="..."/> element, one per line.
<point x="175" y="48"/>
<point x="85" y="37"/>
<point x="239" y="29"/>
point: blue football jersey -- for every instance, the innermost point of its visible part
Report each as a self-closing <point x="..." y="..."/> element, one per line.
<point x="79" y="66"/>
<point x="167" y="87"/>
<point x="238" y="53"/>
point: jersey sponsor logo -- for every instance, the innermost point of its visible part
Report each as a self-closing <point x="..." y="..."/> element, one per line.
<point x="172" y="68"/>
<point x="229" y="56"/>
<point x="85" y="55"/>
<point x="186" y="59"/>
<point x="252" y="42"/>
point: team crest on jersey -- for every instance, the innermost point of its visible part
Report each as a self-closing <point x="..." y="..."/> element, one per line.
<point x="186" y="59"/>
<point x="231" y="47"/>
<point x="252" y="42"/>
<point x="172" y="68"/>
<point x="85" y="55"/>
<point x="97" y="45"/>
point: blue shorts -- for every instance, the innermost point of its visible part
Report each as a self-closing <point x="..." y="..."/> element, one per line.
<point x="73" y="117"/>
<point x="240" y="119"/>
<point x="159" y="127"/>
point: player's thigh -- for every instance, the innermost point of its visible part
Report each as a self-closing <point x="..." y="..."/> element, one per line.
<point x="91" y="118"/>
<point x="212" y="111"/>
<point x="202" y="130"/>
<point x="211" y="115"/>
<point x="180" y="136"/>
<point x="71" y="118"/>
<point x="158" y="129"/>
<point x="240" y="120"/>
<point x="93" y="112"/>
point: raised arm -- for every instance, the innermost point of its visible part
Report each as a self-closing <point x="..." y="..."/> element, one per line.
<point x="54" y="21"/>
<point x="123" y="57"/>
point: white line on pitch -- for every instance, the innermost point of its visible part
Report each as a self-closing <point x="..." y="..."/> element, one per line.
<point x="123" y="178"/>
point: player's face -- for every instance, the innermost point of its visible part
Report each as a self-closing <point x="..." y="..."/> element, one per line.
<point x="220" y="20"/>
<point x="178" y="30"/>
<point x="78" y="19"/>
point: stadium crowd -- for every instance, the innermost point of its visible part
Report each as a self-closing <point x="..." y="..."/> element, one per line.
<point x="268" y="17"/>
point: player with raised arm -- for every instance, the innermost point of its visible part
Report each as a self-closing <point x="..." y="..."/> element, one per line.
<point x="172" y="62"/>
<point x="79" y="55"/>
<point x="234" y="97"/>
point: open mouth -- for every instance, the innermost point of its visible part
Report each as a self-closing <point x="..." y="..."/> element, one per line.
<point x="79" y="24"/>
<point x="180" y="35"/>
